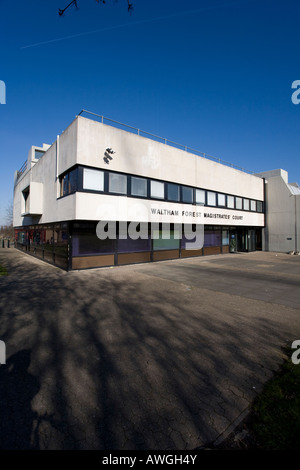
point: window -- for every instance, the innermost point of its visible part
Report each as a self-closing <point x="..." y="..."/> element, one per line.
<point x="60" y="240"/>
<point x="230" y="202"/>
<point x="238" y="203"/>
<point x="173" y="192"/>
<point x="259" y="206"/>
<point x="166" y="240"/>
<point x="69" y="182"/>
<point x="73" y="180"/>
<point x="86" y="242"/>
<point x="93" y="179"/>
<point x="253" y="205"/>
<point x="211" y="198"/>
<point x="225" y="237"/>
<point x="64" y="186"/>
<point x="22" y="238"/>
<point x="117" y="183"/>
<point x="157" y="190"/>
<point x="128" y="245"/>
<point x="89" y="244"/>
<point x="246" y="204"/>
<point x="187" y="195"/>
<point x="38" y="154"/>
<point x="26" y="199"/>
<point x="221" y="200"/>
<point x="200" y="197"/>
<point x="212" y="237"/>
<point x="139" y="187"/>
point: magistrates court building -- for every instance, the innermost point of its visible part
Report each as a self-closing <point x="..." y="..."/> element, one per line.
<point x="101" y="170"/>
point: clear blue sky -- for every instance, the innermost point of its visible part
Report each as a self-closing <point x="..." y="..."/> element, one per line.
<point x="215" y="75"/>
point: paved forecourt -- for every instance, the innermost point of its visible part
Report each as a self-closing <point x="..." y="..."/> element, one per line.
<point x="165" y="355"/>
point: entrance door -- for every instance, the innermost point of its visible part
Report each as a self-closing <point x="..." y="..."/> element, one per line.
<point x="251" y="240"/>
<point x="245" y="239"/>
<point x="242" y="240"/>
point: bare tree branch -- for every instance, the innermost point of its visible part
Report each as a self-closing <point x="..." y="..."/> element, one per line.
<point x="61" y="12"/>
<point x="74" y="2"/>
<point x="7" y="231"/>
<point x="9" y="214"/>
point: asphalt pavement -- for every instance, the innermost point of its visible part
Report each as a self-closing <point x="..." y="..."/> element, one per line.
<point x="160" y="356"/>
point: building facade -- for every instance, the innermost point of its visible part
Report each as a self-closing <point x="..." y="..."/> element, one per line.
<point x="282" y="213"/>
<point x="130" y="183"/>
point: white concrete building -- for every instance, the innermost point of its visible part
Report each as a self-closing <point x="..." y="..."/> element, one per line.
<point x="282" y="212"/>
<point x="97" y="171"/>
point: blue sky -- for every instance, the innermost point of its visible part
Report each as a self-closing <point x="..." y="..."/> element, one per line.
<point x="215" y="75"/>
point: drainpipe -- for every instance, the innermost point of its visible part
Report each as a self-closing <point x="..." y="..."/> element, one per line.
<point x="57" y="162"/>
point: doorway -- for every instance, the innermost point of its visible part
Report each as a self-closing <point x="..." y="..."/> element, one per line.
<point x="243" y="239"/>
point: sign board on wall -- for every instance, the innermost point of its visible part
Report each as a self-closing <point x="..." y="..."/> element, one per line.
<point x="118" y="208"/>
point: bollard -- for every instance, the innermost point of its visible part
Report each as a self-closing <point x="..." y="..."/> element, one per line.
<point x="2" y="243"/>
<point x="7" y="243"/>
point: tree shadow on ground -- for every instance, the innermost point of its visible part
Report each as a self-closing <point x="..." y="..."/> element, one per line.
<point x="127" y="362"/>
<point x="17" y="389"/>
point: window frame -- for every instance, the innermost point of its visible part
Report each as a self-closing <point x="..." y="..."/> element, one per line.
<point x="223" y="195"/>
<point x="122" y="175"/>
<point x="182" y="187"/>
<point x="248" y="201"/>
<point x="204" y="194"/>
<point x="178" y="192"/>
<point x="164" y="190"/>
<point x="95" y="171"/>
<point x="64" y="179"/>
<point x="146" y="186"/>
<point x="261" y="206"/>
<point x="238" y="199"/>
<point x="253" y="201"/>
<point x="41" y="152"/>
<point x="230" y="198"/>
<point x="207" y="198"/>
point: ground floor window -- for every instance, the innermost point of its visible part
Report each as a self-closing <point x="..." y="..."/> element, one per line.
<point x="89" y="244"/>
<point x="75" y="245"/>
<point x="166" y="239"/>
<point x="212" y="237"/>
<point x="128" y="245"/>
<point x="48" y="242"/>
<point x="225" y="237"/>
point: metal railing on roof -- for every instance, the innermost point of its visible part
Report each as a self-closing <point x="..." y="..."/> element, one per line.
<point x="22" y="170"/>
<point x="135" y="130"/>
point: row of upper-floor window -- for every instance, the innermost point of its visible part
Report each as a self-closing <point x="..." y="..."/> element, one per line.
<point x="109" y="182"/>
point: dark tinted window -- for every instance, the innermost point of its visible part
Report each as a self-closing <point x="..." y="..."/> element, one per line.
<point x="187" y="195"/>
<point x="173" y="192"/>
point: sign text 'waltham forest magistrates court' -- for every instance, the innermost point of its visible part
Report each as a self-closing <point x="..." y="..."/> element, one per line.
<point x="195" y="214"/>
<point x="126" y="209"/>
